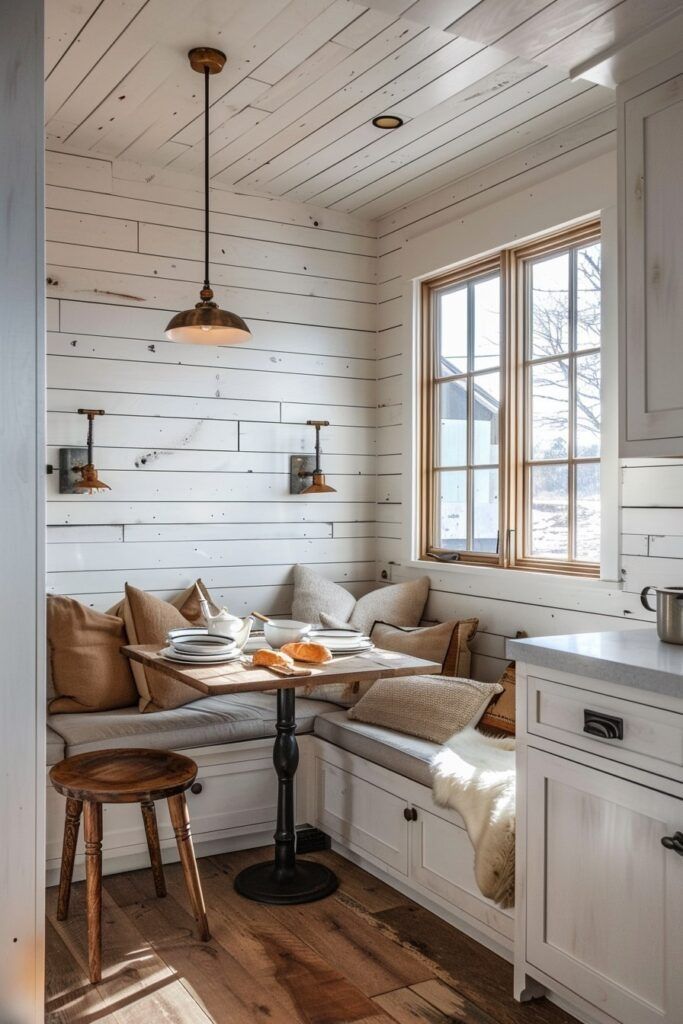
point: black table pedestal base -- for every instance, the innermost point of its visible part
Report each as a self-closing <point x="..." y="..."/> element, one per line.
<point x="305" y="884"/>
<point x="285" y="880"/>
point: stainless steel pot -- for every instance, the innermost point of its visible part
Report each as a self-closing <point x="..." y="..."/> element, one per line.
<point x="669" y="612"/>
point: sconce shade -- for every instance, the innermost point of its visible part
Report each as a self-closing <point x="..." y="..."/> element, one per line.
<point x="319" y="486"/>
<point x="89" y="480"/>
<point x="207" y="324"/>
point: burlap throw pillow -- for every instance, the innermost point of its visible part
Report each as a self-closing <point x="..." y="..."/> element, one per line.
<point x="88" y="671"/>
<point x="500" y="714"/>
<point x="147" y="621"/>
<point x="445" y="642"/>
<point x="431" y="707"/>
<point x="186" y="602"/>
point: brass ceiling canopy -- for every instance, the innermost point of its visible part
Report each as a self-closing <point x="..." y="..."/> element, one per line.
<point x="207" y="323"/>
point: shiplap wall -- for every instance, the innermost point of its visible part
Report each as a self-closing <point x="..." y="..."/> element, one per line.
<point x="196" y="440"/>
<point x="566" y="177"/>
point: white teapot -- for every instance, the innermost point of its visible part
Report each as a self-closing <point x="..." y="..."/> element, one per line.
<point x="224" y="623"/>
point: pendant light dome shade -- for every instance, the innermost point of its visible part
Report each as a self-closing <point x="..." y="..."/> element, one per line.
<point x="207" y="323"/>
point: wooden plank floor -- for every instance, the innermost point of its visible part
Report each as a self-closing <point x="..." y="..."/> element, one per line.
<point x="366" y="955"/>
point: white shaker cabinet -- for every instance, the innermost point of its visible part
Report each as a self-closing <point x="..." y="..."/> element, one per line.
<point x="599" y="873"/>
<point x="605" y="898"/>
<point x="651" y="264"/>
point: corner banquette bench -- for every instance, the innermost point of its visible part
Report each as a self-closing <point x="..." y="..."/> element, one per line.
<point x="367" y="787"/>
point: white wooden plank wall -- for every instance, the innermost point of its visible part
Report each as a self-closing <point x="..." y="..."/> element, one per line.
<point x="196" y="440"/>
<point x="651" y="502"/>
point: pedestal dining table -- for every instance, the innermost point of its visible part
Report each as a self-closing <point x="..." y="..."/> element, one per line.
<point x="284" y="879"/>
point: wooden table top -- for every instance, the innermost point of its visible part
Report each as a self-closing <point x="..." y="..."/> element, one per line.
<point x="234" y="677"/>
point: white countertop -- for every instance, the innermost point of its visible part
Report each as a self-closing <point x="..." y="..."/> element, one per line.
<point x="631" y="657"/>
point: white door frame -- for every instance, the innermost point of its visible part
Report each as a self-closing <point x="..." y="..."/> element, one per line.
<point x="22" y="502"/>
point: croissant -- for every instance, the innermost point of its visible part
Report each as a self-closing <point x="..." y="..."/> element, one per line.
<point x="272" y="659"/>
<point x="317" y="654"/>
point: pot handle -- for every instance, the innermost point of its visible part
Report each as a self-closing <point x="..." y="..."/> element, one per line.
<point x="644" y="601"/>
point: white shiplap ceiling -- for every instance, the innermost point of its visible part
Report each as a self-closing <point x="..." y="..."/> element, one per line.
<point x="291" y="112"/>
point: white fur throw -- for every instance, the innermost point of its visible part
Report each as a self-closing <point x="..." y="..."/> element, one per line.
<point x="475" y="775"/>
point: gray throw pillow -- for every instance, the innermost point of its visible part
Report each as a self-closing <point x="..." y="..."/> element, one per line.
<point x="315" y="595"/>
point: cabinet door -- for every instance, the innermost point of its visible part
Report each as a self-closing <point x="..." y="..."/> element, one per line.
<point x="442" y="860"/>
<point x="604" y="897"/>
<point x="652" y="286"/>
<point x="363" y="815"/>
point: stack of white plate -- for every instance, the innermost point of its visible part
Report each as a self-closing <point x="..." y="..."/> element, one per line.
<point x="199" y="647"/>
<point x="342" y="641"/>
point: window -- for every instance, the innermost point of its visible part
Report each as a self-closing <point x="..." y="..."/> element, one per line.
<point x="510" y="408"/>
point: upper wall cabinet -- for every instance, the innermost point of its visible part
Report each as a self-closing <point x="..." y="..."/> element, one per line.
<point x="651" y="271"/>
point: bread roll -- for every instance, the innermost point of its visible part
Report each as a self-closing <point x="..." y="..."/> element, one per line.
<point x="316" y="654"/>
<point x="272" y="659"/>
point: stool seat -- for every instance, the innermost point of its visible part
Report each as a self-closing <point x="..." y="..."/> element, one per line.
<point x="126" y="775"/>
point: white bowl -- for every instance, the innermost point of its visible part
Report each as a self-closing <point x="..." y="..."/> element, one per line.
<point x="285" y="631"/>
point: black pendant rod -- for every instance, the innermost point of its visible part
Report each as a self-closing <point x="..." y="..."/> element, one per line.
<point x="206" y="176"/>
<point x="90" y="438"/>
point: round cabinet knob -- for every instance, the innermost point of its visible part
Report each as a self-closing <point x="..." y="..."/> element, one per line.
<point x="410" y="814"/>
<point x="196" y="788"/>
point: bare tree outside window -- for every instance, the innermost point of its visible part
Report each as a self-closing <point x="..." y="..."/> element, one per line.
<point x="562" y="395"/>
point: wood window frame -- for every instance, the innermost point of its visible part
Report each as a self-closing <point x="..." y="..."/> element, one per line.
<point x="428" y="420"/>
<point x="514" y="427"/>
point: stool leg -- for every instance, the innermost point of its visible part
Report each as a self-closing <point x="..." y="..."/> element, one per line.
<point x="150" y="821"/>
<point x="180" y="819"/>
<point x="72" y="823"/>
<point x="93" y="887"/>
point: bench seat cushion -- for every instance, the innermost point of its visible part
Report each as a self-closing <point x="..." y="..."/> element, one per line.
<point x="405" y="755"/>
<point x="228" y="718"/>
<point x="55" y="747"/>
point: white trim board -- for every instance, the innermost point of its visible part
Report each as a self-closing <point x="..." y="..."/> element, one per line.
<point x="22" y="402"/>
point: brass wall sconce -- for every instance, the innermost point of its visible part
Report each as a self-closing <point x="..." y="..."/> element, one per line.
<point x="305" y="467"/>
<point x="78" y="462"/>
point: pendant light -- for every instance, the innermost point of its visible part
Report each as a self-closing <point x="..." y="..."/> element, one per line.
<point x="207" y="324"/>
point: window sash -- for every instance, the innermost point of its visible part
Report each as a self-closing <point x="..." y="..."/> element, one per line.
<point x="434" y="380"/>
<point x="514" y="462"/>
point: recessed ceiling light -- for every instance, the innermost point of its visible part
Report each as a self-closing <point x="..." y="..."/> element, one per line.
<point x="387" y="121"/>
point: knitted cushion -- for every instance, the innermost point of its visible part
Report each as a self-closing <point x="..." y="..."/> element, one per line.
<point x="432" y="707"/>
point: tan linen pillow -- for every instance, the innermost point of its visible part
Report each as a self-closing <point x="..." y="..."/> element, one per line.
<point x="187" y="604"/>
<point x="147" y="621"/>
<point x="431" y="707"/>
<point x="87" y="669"/>
<point x="500" y="714"/>
<point x="445" y="642"/>
<point x="314" y="594"/>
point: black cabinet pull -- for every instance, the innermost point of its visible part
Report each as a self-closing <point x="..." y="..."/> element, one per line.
<point x="196" y="788"/>
<point x="674" y="842"/>
<point x="607" y="727"/>
<point x="410" y="814"/>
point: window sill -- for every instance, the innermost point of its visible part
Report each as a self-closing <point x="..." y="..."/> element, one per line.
<point x="521" y="575"/>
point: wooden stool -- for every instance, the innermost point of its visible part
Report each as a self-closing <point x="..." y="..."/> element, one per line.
<point x="124" y="777"/>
